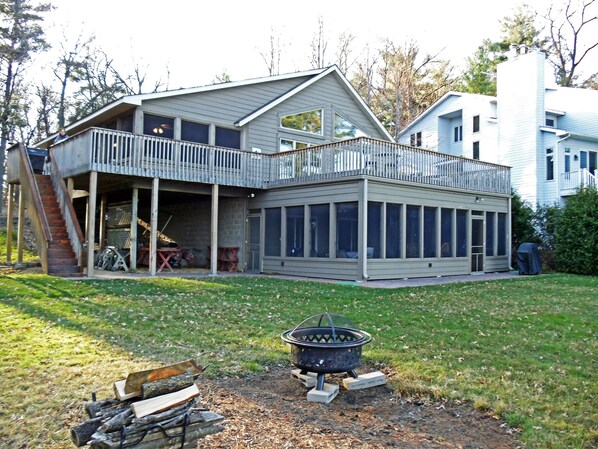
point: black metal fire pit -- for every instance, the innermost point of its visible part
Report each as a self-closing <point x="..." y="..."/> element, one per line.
<point x="326" y="343"/>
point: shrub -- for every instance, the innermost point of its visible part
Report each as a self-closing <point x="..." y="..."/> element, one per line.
<point x="576" y="234"/>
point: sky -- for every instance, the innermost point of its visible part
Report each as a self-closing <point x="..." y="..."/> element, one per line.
<point x="196" y="40"/>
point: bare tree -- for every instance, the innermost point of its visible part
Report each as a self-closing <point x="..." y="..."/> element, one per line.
<point x="319" y="45"/>
<point x="568" y="31"/>
<point x="344" y="51"/>
<point x="271" y="57"/>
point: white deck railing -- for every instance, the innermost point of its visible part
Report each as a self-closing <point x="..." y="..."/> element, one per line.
<point x="572" y="181"/>
<point x="130" y="154"/>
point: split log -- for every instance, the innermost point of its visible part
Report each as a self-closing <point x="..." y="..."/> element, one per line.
<point x="119" y="391"/>
<point x="161" y="403"/>
<point x="171" y="412"/>
<point x="165" y="386"/>
<point x="136" y="380"/>
<point x="82" y="433"/>
<point x="200" y="424"/>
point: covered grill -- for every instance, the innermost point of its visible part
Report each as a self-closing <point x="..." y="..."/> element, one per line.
<point x="326" y="343"/>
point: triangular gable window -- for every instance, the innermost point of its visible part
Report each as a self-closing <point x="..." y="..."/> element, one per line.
<point x="344" y="129"/>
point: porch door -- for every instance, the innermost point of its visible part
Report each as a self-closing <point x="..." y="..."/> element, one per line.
<point x="477" y="244"/>
<point x="253" y="243"/>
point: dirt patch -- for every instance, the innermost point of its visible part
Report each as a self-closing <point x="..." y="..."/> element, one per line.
<point x="271" y="411"/>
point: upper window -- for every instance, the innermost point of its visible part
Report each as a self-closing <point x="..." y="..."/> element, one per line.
<point x="550" y="121"/>
<point x="154" y="125"/>
<point x="458" y="133"/>
<point x="309" y="121"/>
<point x="476" y="123"/>
<point x="344" y="129"/>
<point x="195" y="132"/>
<point x="476" y="150"/>
<point x="415" y="139"/>
<point x="229" y="138"/>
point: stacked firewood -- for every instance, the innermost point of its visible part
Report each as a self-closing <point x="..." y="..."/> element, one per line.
<point x="156" y="408"/>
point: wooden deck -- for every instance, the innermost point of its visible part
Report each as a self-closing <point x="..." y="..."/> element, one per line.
<point x="127" y="154"/>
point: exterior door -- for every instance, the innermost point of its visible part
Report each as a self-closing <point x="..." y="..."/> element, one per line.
<point x="477" y="244"/>
<point x="253" y="243"/>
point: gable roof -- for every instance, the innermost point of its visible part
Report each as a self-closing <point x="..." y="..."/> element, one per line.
<point x="131" y="101"/>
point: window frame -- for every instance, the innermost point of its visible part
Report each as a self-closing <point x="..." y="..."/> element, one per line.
<point x="310" y="133"/>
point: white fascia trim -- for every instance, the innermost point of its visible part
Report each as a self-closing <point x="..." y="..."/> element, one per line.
<point x="283" y="98"/>
<point x="430" y="109"/>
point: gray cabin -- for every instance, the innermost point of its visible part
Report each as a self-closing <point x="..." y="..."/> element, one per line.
<point x="291" y="174"/>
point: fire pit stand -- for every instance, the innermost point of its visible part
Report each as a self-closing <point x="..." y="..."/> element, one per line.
<point x="326" y="343"/>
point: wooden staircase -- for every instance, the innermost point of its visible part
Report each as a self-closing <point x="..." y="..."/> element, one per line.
<point x="62" y="260"/>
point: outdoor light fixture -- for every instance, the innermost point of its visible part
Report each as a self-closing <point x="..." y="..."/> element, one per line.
<point x="158" y="130"/>
<point x="479" y="199"/>
<point x="575" y="157"/>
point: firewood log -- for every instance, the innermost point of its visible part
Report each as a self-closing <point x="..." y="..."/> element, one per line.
<point x="82" y="433"/>
<point x="164" y="402"/>
<point x="137" y="379"/>
<point x="117" y="421"/>
<point x="164" y="386"/>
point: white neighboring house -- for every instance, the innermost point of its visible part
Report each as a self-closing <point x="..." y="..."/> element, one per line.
<point x="547" y="134"/>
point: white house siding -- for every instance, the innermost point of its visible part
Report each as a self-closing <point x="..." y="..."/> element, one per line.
<point x="520" y="87"/>
<point x="580" y="107"/>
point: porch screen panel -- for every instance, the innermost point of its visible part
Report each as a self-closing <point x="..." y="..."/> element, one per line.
<point x="374" y="230"/>
<point x="320" y="230"/>
<point x="446" y="232"/>
<point x="394" y="236"/>
<point x="430" y="232"/>
<point x="347" y="230"/>
<point x="154" y="125"/>
<point x="272" y="242"/>
<point x="295" y="225"/>
<point x="412" y="232"/>
<point x="461" y="233"/>
<point x="490" y="233"/>
<point x="501" y="244"/>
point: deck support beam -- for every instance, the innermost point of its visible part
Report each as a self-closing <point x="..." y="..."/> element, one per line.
<point x="9" y="224"/>
<point x="134" y="213"/>
<point x="21" y="228"/>
<point x="91" y="221"/>
<point x="214" y="232"/>
<point x="153" y="254"/>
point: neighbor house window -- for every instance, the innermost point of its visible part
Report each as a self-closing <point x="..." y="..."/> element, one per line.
<point x="394" y="236"/>
<point x="195" y="132"/>
<point x="476" y="150"/>
<point x="549" y="164"/>
<point x="154" y="125"/>
<point x="344" y="129"/>
<point x="412" y="229"/>
<point x="346" y="230"/>
<point x="550" y="122"/>
<point x="416" y="139"/>
<point x="228" y="138"/>
<point x="273" y="221"/>
<point x="319" y="220"/>
<point x="458" y="133"/>
<point x="567" y="160"/>
<point x="374" y="230"/>
<point x="476" y="123"/>
<point x="295" y="226"/>
<point x="308" y="121"/>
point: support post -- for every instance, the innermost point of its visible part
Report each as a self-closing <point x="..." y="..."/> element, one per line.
<point x="362" y="226"/>
<point x="91" y="221"/>
<point x="9" y="224"/>
<point x="102" y="236"/>
<point x="21" y="228"/>
<point x="134" y="213"/>
<point x="153" y="254"/>
<point x="214" y="231"/>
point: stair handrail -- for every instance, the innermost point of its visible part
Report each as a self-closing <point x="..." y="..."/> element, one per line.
<point x="37" y="214"/>
<point x="73" y="227"/>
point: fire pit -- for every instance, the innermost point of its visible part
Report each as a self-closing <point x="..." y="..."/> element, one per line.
<point x="326" y="343"/>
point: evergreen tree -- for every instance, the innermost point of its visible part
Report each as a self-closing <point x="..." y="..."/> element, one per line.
<point x="21" y="35"/>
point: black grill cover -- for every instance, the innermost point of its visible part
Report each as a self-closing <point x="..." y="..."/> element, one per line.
<point x="528" y="259"/>
<point x="37" y="157"/>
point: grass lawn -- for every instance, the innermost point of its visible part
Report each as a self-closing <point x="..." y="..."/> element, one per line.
<point x="525" y="348"/>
